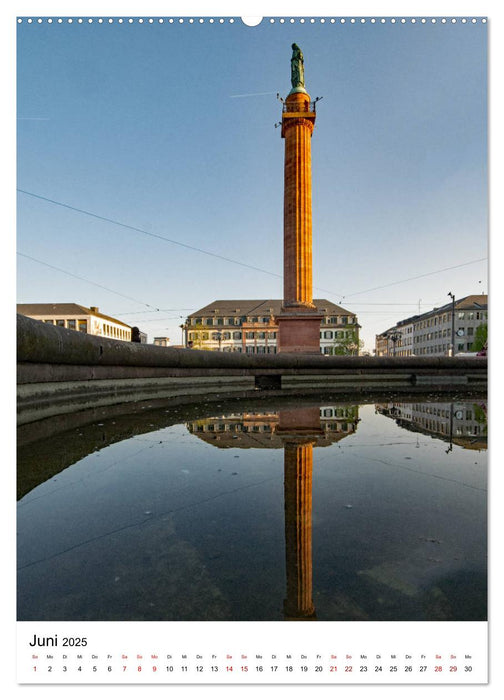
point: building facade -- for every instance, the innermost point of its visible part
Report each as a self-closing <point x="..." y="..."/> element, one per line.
<point x="431" y="333"/>
<point x="464" y="424"/>
<point x="78" y="318"/>
<point x="249" y="326"/>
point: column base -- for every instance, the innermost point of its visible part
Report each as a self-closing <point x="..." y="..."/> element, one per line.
<point x="299" y="331"/>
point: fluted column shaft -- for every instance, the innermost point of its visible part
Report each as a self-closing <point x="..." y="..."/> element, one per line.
<point x="298" y="467"/>
<point x="297" y="131"/>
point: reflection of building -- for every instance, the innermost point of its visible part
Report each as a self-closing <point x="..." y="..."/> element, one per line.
<point x="77" y="318"/>
<point x="431" y="333"/>
<point x="297" y="431"/>
<point x="260" y="430"/>
<point x="464" y="424"/>
<point x="249" y="326"/>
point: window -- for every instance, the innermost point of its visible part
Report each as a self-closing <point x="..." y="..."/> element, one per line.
<point x="236" y="335"/>
<point x="344" y="320"/>
<point x="470" y="330"/>
<point x="82" y="325"/>
<point x="250" y="335"/>
<point x="49" y="320"/>
<point x="209" y="322"/>
<point x="328" y="334"/>
<point x="60" y="322"/>
<point x="220" y="321"/>
<point x="71" y="323"/>
<point x="461" y="315"/>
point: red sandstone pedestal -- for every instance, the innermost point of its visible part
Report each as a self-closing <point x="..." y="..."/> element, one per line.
<point x="299" y="331"/>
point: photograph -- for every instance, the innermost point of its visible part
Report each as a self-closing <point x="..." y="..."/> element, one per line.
<point x="252" y="330"/>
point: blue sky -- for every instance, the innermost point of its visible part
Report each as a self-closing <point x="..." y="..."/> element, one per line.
<point x="169" y="128"/>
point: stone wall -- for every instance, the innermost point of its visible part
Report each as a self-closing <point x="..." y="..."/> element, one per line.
<point x="62" y="371"/>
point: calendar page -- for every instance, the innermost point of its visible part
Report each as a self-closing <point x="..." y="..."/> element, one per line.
<point x="209" y="208"/>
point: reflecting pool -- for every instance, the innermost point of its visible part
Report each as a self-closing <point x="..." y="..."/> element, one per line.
<point x="321" y="510"/>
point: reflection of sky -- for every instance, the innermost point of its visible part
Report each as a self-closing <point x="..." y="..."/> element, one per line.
<point x="142" y="124"/>
<point x="164" y="525"/>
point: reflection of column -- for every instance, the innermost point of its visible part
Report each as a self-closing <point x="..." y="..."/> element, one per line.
<point x="298" y="467"/>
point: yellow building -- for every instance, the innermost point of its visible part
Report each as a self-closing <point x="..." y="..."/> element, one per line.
<point x="77" y="318"/>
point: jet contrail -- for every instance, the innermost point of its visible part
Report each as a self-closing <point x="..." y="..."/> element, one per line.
<point x="254" y="94"/>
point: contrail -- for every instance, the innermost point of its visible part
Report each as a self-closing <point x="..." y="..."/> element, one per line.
<point x="254" y="94"/>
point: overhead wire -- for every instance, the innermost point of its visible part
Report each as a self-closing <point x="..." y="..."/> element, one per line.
<point x="215" y="255"/>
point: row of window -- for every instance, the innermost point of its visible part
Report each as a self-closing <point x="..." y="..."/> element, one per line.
<point x="115" y="332"/>
<point x="81" y="325"/>
<point x="445" y="333"/>
<point x="71" y="323"/>
<point x="240" y="320"/>
<point x="445" y="318"/>
<point x="252" y="349"/>
<point x="443" y="348"/>
<point x="343" y="427"/>
<point x="335" y="334"/>
<point x="235" y="335"/>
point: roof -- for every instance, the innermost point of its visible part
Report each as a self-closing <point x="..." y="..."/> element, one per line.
<point x="258" y="307"/>
<point x="472" y="302"/>
<point x="70" y="309"/>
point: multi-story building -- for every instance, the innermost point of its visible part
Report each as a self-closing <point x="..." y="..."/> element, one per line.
<point x="431" y="333"/>
<point x="465" y="424"/>
<point x="249" y="326"/>
<point x="260" y="430"/>
<point x="77" y="318"/>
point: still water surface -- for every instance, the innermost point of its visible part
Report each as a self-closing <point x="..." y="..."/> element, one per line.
<point x="329" y="512"/>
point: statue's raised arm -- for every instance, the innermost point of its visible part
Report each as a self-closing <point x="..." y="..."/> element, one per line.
<point x="297" y="67"/>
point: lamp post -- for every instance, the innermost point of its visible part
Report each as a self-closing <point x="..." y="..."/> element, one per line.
<point x="452" y="348"/>
<point x="394" y="336"/>
<point x="183" y="328"/>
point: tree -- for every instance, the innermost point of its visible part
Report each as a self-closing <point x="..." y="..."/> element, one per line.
<point x="348" y="343"/>
<point x="480" y="337"/>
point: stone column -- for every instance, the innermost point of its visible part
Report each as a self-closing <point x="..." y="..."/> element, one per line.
<point x="297" y="128"/>
<point x="298" y="322"/>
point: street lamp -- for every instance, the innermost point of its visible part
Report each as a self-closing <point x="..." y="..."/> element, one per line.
<point x="452" y="347"/>
<point x="394" y="336"/>
<point x="183" y="328"/>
